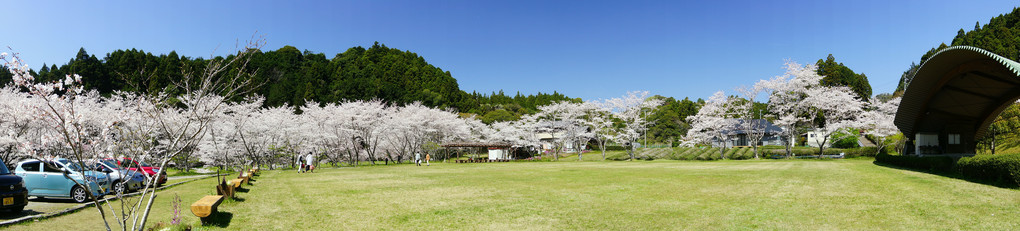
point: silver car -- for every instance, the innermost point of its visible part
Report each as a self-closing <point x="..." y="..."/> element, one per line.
<point x="122" y="179"/>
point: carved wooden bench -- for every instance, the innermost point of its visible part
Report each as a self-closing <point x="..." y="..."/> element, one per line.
<point x="236" y="182"/>
<point x="225" y="189"/>
<point x="206" y="206"/>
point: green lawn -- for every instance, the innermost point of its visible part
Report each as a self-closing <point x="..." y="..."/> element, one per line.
<point x="749" y="194"/>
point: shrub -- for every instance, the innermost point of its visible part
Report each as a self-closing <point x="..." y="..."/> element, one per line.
<point x="929" y="163"/>
<point x="729" y="154"/>
<point x="612" y="148"/>
<point x="844" y="141"/>
<point x="1001" y="169"/>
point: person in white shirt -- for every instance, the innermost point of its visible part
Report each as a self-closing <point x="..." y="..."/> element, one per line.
<point x="311" y="162"/>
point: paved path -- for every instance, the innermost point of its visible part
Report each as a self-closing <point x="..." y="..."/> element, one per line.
<point x="864" y="142"/>
<point x="187" y="177"/>
<point x="37" y="206"/>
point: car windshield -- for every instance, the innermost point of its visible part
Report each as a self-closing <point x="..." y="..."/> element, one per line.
<point x="109" y="163"/>
<point x="143" y="164"/>
<point x="73" y="166"/>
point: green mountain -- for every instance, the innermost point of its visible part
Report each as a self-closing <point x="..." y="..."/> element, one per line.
<point x="288" y="76"/>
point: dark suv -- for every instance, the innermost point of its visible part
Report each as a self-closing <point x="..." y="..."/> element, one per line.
<point x="13" y="195"/>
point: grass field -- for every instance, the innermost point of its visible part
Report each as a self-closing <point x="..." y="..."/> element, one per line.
<point x="751" y="194"/>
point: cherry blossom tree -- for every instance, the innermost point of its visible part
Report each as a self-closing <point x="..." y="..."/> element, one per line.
<point x="839" y="107"/>
<point x="714" y="121"/>
<point x="786" y="98"/>
<point x="64" y="128"/>
<point x="566" y="120"/>
<point x="878" y="121"/>
<point x="631" y="109"/>
<point x="600" y="120"/>
<point x="15" y="126"/>
<point x="334" y="137"/>
<point x="754" y="129"/>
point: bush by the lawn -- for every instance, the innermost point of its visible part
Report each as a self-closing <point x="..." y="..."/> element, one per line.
<point x="930" y="163"/>
<point x="611" y="148"/>
<point x="1002" y="169"/>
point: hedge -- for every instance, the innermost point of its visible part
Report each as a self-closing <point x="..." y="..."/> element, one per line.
<point x="611" y="148"/>
<point x="1001" y="169"/>
<point x="930" y="163"/>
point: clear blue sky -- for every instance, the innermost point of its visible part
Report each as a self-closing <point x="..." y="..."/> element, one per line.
<point x="587" y="49"/>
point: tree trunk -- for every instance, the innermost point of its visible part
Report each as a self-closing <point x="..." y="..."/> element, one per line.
<point x="630" y="151"/>
<point x="578" y="149"/>
<point x="821" y="146"/>
<point x="603" y="147"/>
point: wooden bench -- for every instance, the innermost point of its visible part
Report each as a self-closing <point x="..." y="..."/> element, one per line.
<point x="236" y="183"/>
<point x="225" y="189"/>
<point x="206" y="206"/>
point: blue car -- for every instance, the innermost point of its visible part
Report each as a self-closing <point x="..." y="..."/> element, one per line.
<point x="12" y="190"/>
<point x="56" y="178"/>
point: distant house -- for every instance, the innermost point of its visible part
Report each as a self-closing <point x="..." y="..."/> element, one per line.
<point x="548" y="141"/>
<point x="812" y="139"/>
<point x="737" y="136"/>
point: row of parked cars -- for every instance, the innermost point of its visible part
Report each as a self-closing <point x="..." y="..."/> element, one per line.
<point x="61" y="178"/>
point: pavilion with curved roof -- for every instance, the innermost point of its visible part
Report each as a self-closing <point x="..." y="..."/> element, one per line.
<point x="954" y="97"/>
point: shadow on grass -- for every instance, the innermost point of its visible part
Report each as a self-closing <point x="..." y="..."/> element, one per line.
<point x="950" y="174"/>
<point x="244" y="190"/>
<point x="219" y="219"/>
<point x="250" y="181"/>
<point x="7" y="215"/>
<point x="52" y="200"/>
<point x="237" y="199"/>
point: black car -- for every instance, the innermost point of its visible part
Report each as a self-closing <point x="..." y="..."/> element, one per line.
<point x="13" y="195"/>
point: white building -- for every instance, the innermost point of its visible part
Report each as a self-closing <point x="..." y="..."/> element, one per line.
<point x="813" y="139"/>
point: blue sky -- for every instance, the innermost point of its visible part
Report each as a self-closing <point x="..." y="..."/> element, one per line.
<point x="587" y="49"/>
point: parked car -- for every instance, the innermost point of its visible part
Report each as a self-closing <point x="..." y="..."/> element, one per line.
<point x="12" y="190"/>
<point x="143" y="167"/>
<point x="56" y="178"/>
<point x="121" y="179"/>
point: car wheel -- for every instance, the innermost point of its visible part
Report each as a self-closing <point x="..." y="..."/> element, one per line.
<point x="78" y="194"/>
<point x="118" y="187"/>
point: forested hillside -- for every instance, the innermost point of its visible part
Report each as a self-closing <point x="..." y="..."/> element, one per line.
<point x="836" y="74"/>
<point x="288" y="76"/>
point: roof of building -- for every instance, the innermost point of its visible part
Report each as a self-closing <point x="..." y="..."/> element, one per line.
<point x="960" y="88"/>
<point x="770" y="128"/>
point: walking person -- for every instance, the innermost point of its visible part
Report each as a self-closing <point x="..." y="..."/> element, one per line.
<point x="427" y="158"/>
<point x="311" y="162"/>
<point x="300" y="163"/>
<point x="417" y="158"/>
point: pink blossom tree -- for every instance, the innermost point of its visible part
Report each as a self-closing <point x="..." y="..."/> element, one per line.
<point x="630" y="110"/>
<point x="878" y="121"/>
<point x="786" y="98"/>
<point x="714" y="121"/>
<point x="840" y="108"/>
